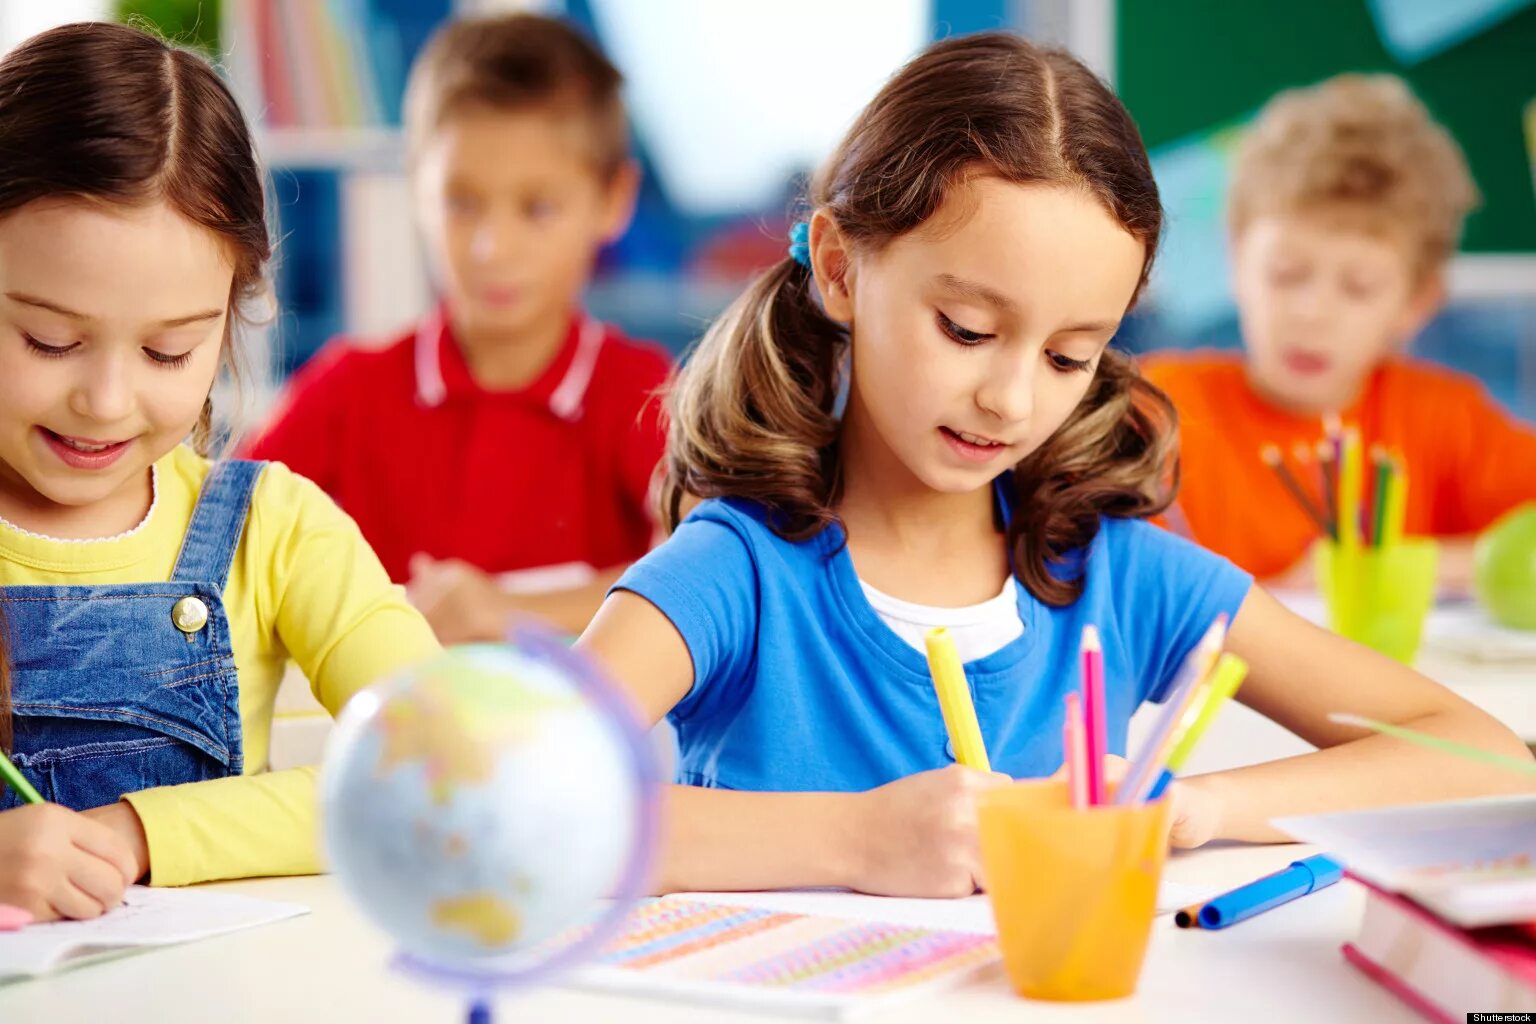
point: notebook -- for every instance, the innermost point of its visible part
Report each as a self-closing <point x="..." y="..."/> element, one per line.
<point x="147" y="918"/>
<point x="1473" y="862"/>
<point x="816" y="953"/>
<point x="1439" y="970"/>
<point x="774" y="961"/>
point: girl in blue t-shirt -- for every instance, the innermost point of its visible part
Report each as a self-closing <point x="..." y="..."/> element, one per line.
<point x="944" y="438"/>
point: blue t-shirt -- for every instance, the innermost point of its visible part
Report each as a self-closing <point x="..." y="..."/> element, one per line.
<point x="798" y="684"/>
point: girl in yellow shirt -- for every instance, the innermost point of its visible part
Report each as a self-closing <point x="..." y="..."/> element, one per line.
<point x="153" y="597"/>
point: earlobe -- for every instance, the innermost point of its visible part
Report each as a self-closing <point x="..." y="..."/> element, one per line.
<point x="1428" y="299"/>
<point x="623" y="193"/>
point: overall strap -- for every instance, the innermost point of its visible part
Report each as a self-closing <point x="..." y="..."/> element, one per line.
<point x="217" y="522"/>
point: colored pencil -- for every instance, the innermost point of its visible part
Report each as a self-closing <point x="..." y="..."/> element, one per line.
<point x="1225" y="679"/>
<point x="1184" y="690"/>
<point x="1333" y="432"/>
<point x="1094" y="723"/>
<point x="1074" y="747"/>
<point x="1424" y="739"/>
<point x="1383" y="473"/>
<point x="1395" y="504"/>
<point x="11" y="776"/>
<point x="1328" y="476"/>
<point x="1351" y="472"/>
<point x="1276" y="462"/>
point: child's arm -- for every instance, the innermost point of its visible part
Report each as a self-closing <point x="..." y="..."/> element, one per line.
<point x="1299" y="674"/>
<point x="464" y="604"/>
<point x="321" y="594"/>
<point x="912" y="837"/>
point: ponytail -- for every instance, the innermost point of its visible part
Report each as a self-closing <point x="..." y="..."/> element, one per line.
<point x="752" y="411"/>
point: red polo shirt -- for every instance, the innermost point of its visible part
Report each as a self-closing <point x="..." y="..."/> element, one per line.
<point x="555" y="474"/>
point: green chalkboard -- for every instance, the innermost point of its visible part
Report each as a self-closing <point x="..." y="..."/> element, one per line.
<point x="1184" y="66"/>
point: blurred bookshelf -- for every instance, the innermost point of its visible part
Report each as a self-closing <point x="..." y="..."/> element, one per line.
<point x="321" y="82"/>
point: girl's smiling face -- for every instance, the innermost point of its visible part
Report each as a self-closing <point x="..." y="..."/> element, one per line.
<point x="975" y="336"/>
<point x="112" y="321"/>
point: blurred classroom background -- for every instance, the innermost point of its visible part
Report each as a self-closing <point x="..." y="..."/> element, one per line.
<point x="733" y="103"/>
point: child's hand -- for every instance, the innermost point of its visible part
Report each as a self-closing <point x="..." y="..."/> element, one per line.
<point x="58" y="863"/>
<point x="918" y="834"/>
<point x="461" y="603"/>
<point x="1195" y="813"/>
<point x="123" y="820"/>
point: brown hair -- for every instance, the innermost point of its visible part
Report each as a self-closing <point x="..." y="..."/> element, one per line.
<point x="1362" y="145"/>
<point x="518" y="62"/>
<point x="105" y="113"/>
<point x="752" y="411"/>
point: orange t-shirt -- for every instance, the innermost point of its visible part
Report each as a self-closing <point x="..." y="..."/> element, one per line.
<point x="1468" y="460"/>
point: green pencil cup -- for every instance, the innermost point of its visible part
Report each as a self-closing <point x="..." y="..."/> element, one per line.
<point x="1379" y="597"/>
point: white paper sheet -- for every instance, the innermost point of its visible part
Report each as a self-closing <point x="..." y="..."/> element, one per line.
<point x="147" y="917"/>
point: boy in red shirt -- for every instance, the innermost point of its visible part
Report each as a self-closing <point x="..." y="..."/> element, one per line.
<point x="1347" y="201"/>
<point x="498" y="455"/>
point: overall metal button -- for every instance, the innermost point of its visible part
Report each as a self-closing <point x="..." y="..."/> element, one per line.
<point x="190" y="614"/>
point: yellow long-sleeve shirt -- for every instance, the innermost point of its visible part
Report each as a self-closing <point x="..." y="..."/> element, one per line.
<point x="304" y="584"/>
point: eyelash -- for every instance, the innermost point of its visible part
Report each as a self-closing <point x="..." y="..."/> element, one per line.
<point x="970" y="339"/>
<point x="59" y="352"/>
<point x="1066" y="364"/>
<point x="959" y="335"/>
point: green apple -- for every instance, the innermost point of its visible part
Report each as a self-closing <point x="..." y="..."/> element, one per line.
<point x="1504" y="567"/>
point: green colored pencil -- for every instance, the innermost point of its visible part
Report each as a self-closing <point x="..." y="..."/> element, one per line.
<point x="13" y="778"/>
<point x="1424" y="739"/>
<point x="1379" y="496"/>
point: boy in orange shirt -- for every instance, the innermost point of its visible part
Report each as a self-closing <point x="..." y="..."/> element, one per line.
<point x="1347" y="202"/>
<point x="498" y="454"/>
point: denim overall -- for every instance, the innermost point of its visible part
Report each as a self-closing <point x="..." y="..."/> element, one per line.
<point x="124" y="687"/>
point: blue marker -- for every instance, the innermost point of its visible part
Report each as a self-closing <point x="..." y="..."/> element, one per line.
<point x="1302" y="877"/>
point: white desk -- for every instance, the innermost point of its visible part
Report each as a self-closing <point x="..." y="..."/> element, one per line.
<point x="330" y="966"/>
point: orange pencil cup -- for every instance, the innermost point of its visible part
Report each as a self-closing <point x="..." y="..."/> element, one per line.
<point x="1379" y="597"/>
<point x="1074" y="893"/>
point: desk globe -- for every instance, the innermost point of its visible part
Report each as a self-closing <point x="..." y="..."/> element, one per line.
<point x="493" y="811"/>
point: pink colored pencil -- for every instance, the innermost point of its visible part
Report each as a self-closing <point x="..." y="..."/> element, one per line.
<point x="1093" y="713"/>
<point x="1074" y="752"/>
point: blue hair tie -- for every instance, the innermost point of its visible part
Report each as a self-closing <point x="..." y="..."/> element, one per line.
<point x="800" y="244"/>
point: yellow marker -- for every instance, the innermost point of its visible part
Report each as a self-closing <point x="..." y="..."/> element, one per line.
<point x="955" y="700"/>
<point x="1351" y="487"/>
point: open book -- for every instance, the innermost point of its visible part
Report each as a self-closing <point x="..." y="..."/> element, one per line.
<point x="814" y="953"/>
<point x="147" y="918"/>
<point x="1473" y="862"/>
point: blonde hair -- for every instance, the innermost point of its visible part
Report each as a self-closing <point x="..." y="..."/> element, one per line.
<point x="1362" y="145"/>
<point x="518" y="62"/>
<point x="752" y="412"/>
